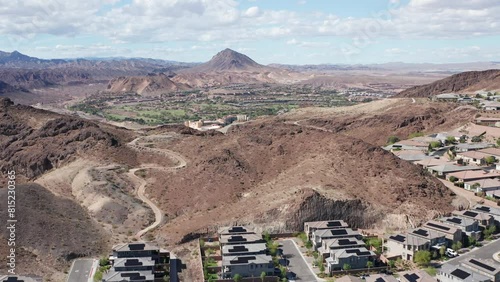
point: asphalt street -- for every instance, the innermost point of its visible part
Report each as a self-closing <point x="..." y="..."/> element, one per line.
<point x="297" y="265"/>
<point x="485" y="252"/>
<point x="80" y="270"/>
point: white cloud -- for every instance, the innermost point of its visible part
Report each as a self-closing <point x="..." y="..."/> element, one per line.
<point x="252" y="12"/>
<point x="220" y="20"/>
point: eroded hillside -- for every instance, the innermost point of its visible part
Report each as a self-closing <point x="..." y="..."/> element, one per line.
<point x="277" y="175"/>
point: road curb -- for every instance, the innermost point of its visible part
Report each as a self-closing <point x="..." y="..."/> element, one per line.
<point x="70" y="270"/>
<point x="308" y="265"/>
<point x="496" y="256"/>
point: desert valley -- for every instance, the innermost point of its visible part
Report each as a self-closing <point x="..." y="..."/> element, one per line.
<point x="250" y="141"/>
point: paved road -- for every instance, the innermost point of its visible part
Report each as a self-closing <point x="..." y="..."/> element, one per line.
<point x="469" y="195"/>
<point x="80" y="270"/>
<point x="485" y="252"/>
<point x="297" y="264"/>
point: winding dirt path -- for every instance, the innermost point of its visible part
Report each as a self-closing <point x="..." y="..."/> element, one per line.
<point x="141" y="190"/>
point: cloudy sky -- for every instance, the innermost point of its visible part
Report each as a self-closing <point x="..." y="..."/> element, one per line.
<point x="270" y="31"/>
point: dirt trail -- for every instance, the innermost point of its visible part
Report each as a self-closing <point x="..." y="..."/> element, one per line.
<point x="181" y="163"/>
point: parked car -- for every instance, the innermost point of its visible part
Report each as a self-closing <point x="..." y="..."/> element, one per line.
<point x="451" y="253"/>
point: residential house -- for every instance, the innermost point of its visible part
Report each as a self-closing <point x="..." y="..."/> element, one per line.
<point x="488" y="121"/>
<point x="416" y="276"/>
<point x="324" y="234"/>
<point x="483" y="185"/>
<point x="495" y="152"/>
<point x="488" y="268"/>
<point x="443" y="170"/>
<point x="356" y="258"/>
<point x="425" y="163"/>
<point x="411" y="156"/>
<point x="485" y="220"/>
<point x="380" y="278"/>
<point x="336" y="244"/>
<point x="446" y="97"/>
<point x="495" y="212"/>
<point x="405" y="245"/>
<point x="472" y="175"/>
<point x="452" y="273"/>
<point x="247" y="266"/>
<point x="240" y="239"/>
<point x="143" y="276"/>
<point x="137" y="262"/>
<point x="465" y="147"/>
<point x="310" y="227"/>
<point x="468" y="226"/>
<point x="235" y="230"/>
<point x="244" y="250"/>
<point x="452" y="234"/>
<point x="472" y="157"/>
<point x="138" y="250"/>
<point x="348" y="278"/>
<point x="491" y="106"/>
<point x="133" y="264"/>
<point x="423" y="145"/>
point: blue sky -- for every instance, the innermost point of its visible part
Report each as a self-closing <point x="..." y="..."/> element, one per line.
<point x="269" y="31"/>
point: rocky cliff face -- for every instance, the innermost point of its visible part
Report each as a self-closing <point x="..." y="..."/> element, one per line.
<point x="465" y="81"/>
<point x="313" y="206"/>
<point x="32" y="146"/>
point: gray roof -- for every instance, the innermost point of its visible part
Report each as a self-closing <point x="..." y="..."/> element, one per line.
<point x="353" y="252"/>
<point x="416" y="276"/>
<point x="447" y="96"/>
<point x="457" y="220"/>
<point x="348" y="278"/>
<point x="488" y="266"/>
<point x="241" y="260"/>
<point x="120" y="262"/>
<point x="486" y="209"/>
<point x="452" y="168"/>
<point x="336" y="243"/>
<point x="473" y="146"/>
<point x="461" y="273"/>
<point x="440" y="227"/>
<point x="425" y="233"/>
<point x="414" y="157"/>
<point x="135" y="247"/>
<point x="328" y="224"/>
<point x="380" y="278"/>
<point x="473" y="214"/>
<point x="114" y="276"/>
<point x="333" y="233"/>
<point x="235" y="230"/>
<point x="249" y="248"/>
<point x="240" y="238"/>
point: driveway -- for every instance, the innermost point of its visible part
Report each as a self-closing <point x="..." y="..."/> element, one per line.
<point x="297" y="264"/>
<point x="80" y="270"/>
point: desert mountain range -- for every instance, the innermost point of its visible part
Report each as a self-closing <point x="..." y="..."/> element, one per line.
<point x="461" y="82"/>
<point x="79" y="166"/>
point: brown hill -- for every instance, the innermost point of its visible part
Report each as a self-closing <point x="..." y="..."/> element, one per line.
<point x="6" y="88"/>
<point x="461" y="82"/>
<point x="228" y="67"/>
<point x="50" y="231"/>
<point x="375" y="122"/>
<point x="290" y="174"/>
<point x="228" y="60"/>
<point x="152" y="83"/>
<point x="34" y="141"/>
